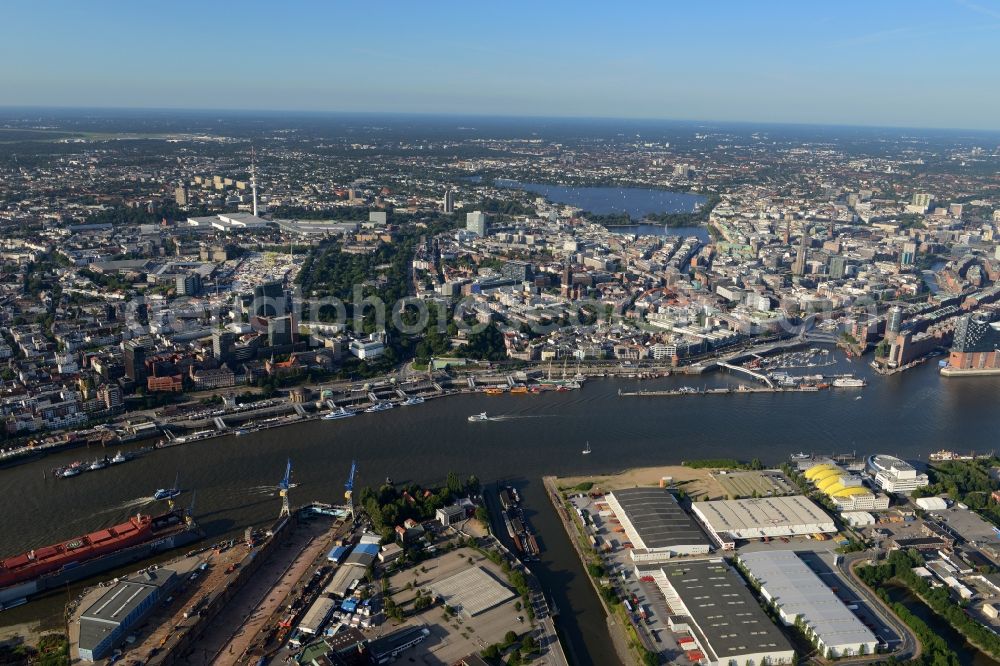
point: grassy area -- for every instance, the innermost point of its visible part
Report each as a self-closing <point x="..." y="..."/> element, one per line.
<point x="52" y="650"/>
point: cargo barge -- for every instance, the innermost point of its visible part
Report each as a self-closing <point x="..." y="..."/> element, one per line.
<point x="37" y="570"/>
<point x="517" y="525"/>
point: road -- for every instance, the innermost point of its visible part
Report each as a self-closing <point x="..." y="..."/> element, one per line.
<point x="910" y="647"/>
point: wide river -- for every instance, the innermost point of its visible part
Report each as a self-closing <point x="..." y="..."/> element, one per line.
<point x="909" y="415"/>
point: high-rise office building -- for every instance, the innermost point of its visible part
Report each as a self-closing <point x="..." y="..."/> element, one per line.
<point x="269" y="300"/>
<point x="135" y="360"/>
<point x="895" y="321"/>
<point x="517" y="270"/>
<point x="280" y="331"/>
<point x="799" y="267"/>
<point x="188" y="285"/>
<point x="909" y="254"/>
<point x="922" y="200"/>
<point x="449" y="201"/>
<point x="566" y="289"/>
<point x="223" y="343"/>
<point x="476" y="222"/>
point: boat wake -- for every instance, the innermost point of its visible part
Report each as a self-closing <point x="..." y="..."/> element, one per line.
<point x="515" y="417"/>
<point x="134" y="503"/>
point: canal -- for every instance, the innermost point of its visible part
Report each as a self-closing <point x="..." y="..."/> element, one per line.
<point x="967" y="654"/>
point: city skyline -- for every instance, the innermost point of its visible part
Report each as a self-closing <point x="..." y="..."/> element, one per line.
<point x="893" y="65"/>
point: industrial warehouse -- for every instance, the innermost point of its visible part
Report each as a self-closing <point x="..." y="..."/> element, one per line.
<point x="730" y="520"/>
<point x="656" y="525"/>
<point x="800" y="597"/>
<point x="711" y="602"/>
<point x="107" y="620"/>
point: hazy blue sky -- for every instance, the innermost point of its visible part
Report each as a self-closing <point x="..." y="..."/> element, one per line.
<point x="934" y="64"/>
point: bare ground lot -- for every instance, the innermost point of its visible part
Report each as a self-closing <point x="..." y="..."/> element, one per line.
<point x="699" y="484"/>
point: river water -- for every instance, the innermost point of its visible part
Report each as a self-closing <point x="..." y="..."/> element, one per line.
<point x="636" y="201"/>
<point x="910" y="415"/>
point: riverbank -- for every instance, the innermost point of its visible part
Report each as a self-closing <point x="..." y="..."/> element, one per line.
<point x="697" y="483"/>
<point x="619" y="636"/>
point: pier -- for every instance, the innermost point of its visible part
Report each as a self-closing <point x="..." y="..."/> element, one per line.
<point x="720" y="391"/>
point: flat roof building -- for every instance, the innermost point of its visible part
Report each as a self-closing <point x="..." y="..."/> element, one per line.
<point x="731" y="520"/>
<point x="317" y="615"/>
<point x="109" y="619"/>
<point x="802" y="598"/>
<point x="713" y="603"/>
<point x="386" y="649"/>
<point x="656" y="525"/>
<point x="472" y="591"/>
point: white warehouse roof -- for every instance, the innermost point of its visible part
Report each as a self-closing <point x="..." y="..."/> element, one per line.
<point x="769" y="516"/>
<point x="858" y="518"/>
<point x="931" y="503"/>
<point x="800" y="593"/>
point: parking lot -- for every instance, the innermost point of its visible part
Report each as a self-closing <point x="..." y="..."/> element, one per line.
<point x="621" y="576"/>
<point x="763" y="483"/>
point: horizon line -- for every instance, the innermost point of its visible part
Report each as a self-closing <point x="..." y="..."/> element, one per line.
<point x="510" y="116"/>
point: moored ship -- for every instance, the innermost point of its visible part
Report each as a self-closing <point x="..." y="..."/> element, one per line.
<point x="848" y="382"/>
<point x="40" y="569"/>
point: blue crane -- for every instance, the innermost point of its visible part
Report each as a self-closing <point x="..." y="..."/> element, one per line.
<point x="349" y="488"/>
<point x="283" y="487"/>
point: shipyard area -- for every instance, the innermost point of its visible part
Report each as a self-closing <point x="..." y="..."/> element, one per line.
<point x="341" y="585"/>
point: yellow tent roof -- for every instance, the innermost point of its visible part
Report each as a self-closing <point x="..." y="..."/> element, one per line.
<point x="851" y="491"/>
<point x="827" y="474"/>
<point x="827" y="483"/>
<point x="818" y="469"/>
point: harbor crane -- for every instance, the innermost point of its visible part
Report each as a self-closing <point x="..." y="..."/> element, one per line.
<point x="349" y="489"/>
<point x="283" y="487"/>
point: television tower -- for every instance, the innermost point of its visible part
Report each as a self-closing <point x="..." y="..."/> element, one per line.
<point x="253" y="179"/>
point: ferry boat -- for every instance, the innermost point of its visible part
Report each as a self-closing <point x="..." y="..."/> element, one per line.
<point x="413" y="400"/>
<point x="848" y="382"/>
<point x="341" y="413"/>
<point x="169" y="493"/>
<point x="478" y="417"/>
<point x="493" y="391"/>
<point x="379" y="407"/>
<point x="519" y="390"/>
